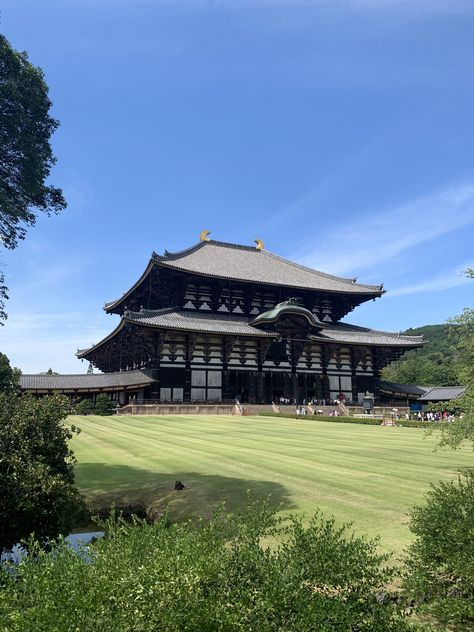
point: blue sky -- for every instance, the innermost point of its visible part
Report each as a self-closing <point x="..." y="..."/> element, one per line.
<point x="340" y="132"/>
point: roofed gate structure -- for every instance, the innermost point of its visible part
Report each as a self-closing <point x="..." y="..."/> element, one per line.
<point x="218" y="322"/>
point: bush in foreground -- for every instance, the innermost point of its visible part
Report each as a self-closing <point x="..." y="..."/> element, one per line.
<point x="216" y="575"/>
<point x="37" y="493"/>
<point x="440" y="564"/>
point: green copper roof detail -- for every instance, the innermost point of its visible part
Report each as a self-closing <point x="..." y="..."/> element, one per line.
<point x="287" y="308"/>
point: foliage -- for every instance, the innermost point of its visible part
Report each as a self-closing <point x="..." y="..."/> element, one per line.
<point x="26" y="157"/>
<point x="9" y="377"/>
<point x="365" y="421"/>
<point x="218" y="575"/>
<point x="85" y="407"/>
<point x="36" y="469"/>
<point x="440" y="565"/>
<point x="104" y="405"/>
<point x="455" y="434"/>
<point x="451" y="406"/>
<point x="434" y="364"/>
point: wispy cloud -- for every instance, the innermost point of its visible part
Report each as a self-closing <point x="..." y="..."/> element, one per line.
<point x="441" y="282"/>
<point x="36" y="341"/>
<point x="373" y="239"/>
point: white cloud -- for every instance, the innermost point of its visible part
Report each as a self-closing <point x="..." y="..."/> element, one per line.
<point x="445" y="281"/>
<point x="370" y="240"/>
<point x="37" y="341"/>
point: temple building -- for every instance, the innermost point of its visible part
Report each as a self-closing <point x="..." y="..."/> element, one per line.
<point x="219" y="322"/>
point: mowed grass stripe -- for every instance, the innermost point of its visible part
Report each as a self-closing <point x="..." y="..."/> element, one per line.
<point x="203" y="449"/>
<point x="368" y="474"/>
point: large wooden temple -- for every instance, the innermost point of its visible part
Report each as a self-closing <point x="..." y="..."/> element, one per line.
<point x="219" y="322"/>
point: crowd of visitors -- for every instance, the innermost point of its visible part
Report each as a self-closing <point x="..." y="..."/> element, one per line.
<point x="287" y="401"/>
<point x="435" y="416"/>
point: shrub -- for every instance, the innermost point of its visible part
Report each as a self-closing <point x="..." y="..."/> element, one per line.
<point x="85" y="407"/>
<point x="37" y="492"/>
<point x="213" y="576"/>
<point x="366" y="421"/>
<point x="440" y="563"/>
<point x="103" y="405"/>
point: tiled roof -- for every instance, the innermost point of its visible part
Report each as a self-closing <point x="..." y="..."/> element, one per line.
<point x="403" y="389"/>
<point x="174" y="319"/>
<point x="91" y="381"/>
<point x="352" y="334"/>
<point x="442" y="393"/>
<point x="245" y="263"/>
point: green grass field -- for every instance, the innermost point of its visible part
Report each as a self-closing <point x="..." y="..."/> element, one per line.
<point x="368" y="475"/>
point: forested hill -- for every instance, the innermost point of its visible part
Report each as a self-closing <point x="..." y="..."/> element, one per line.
<point x="431" y="365"/>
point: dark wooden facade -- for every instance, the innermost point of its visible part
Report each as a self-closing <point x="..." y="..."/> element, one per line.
<point x="219" y="322"/>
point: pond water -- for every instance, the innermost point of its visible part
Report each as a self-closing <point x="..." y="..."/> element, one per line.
<point x="75" y="540"/>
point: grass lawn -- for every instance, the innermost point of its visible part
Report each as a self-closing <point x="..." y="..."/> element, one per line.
<point x="369" y="475"/>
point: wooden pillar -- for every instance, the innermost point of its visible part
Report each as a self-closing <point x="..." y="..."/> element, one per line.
<point x="158" y="341"/>
<point x="227" y="393"/>
<point x="325" y="359"/>
<point x="376" y="369"/>
<point x="260" y="388"/>
<point x="294" y="387"/>
<point x="228" y="390"/>
<point x="263" y="347"/>
<point x="355" y="356"/>
<point x="287" y="385"/>
<point x="190" y="345"/>
<point x="252" y="387"/>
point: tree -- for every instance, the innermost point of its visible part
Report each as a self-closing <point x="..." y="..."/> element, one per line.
<point x="37" y="492"/>
<point x="9" y="377"/>
<point x="103" y="405"/>
<point x="49" y="372"/>
<point x="85" y="407"/>
<point x="431" y="365"/>
<point x="26" y="157"/>
<point x="463" y="429"/>
<point x="440" y="562"/>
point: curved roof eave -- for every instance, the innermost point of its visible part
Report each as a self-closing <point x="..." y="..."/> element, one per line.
<point x="190" y="329"/>
<point x="113" y="304"/>
<point x="392" y="340"/>
<point x="82" y="353"/>
<point x="370" y="294"/>
<point x="365" y="292"/>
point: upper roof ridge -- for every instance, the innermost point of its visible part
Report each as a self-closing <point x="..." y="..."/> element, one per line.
<point x="167" y="256"/>
<point x="170" y="256"/>
<point x="348" y="280"/>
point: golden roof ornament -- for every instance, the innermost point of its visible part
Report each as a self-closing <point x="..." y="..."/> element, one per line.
<point x="259" y="243"/>
<point x="204" y="235"/>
